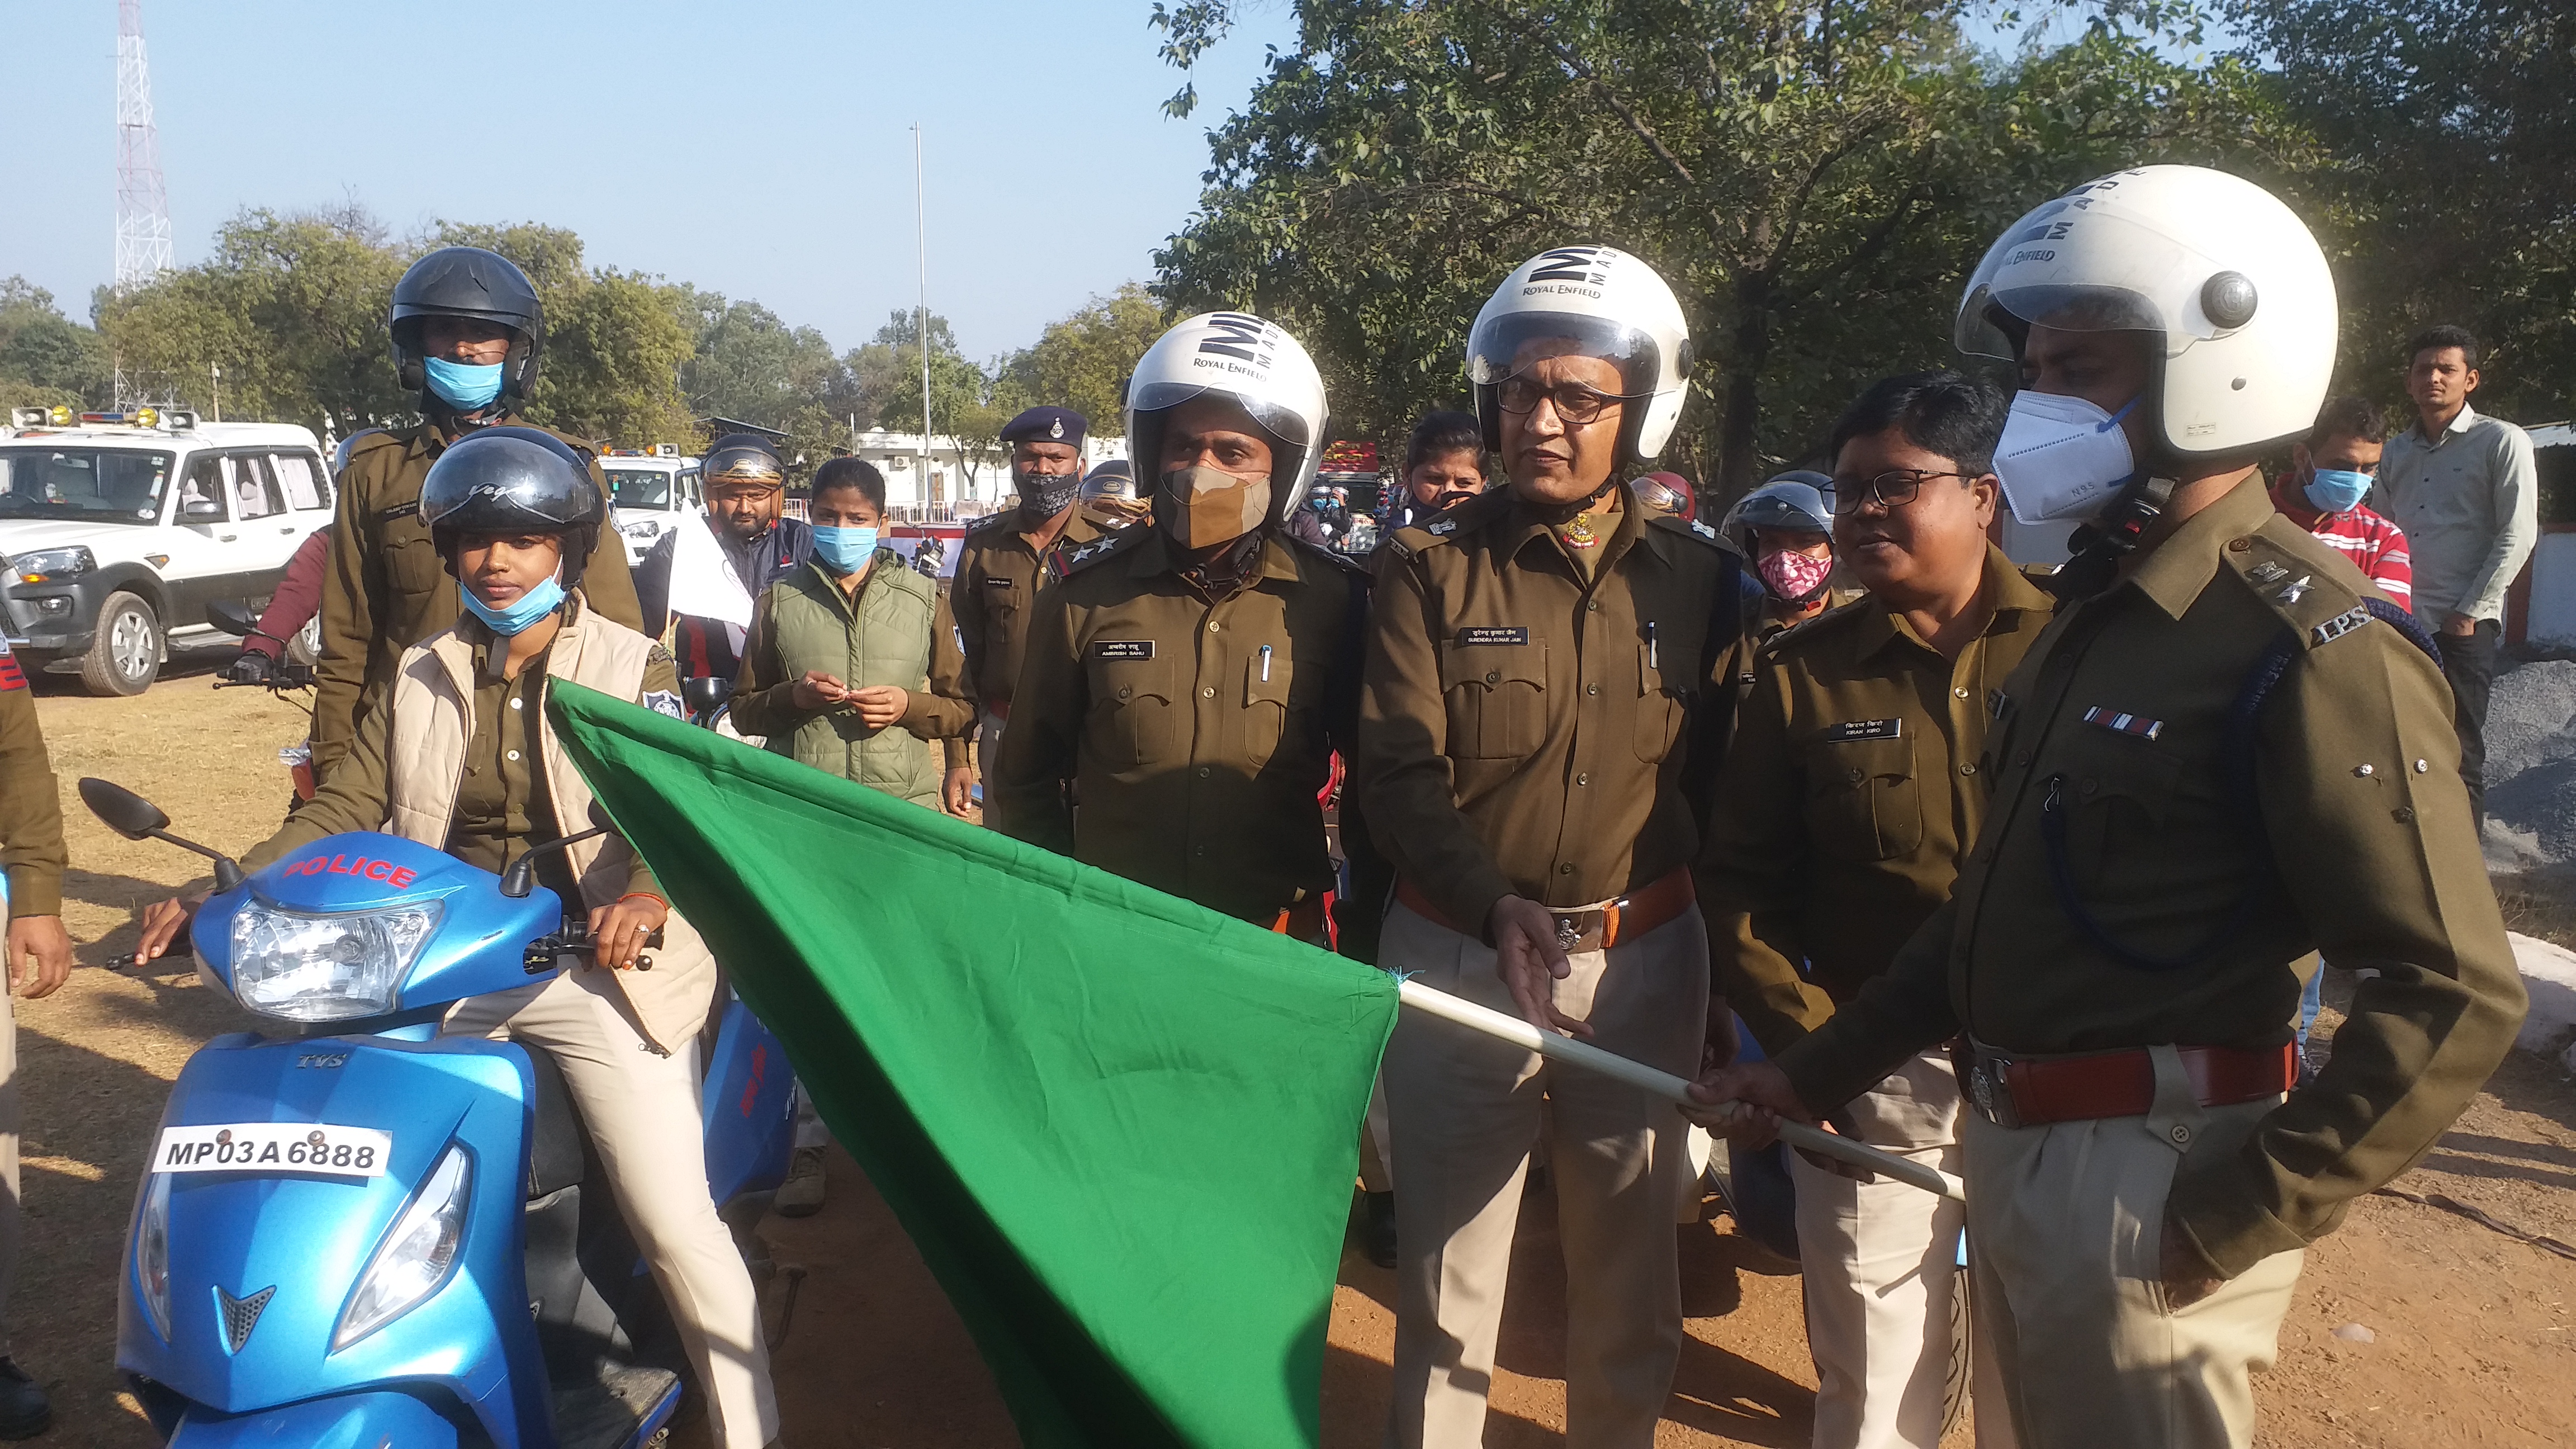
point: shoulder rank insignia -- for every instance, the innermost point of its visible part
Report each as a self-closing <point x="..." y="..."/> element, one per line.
<point x="1441" y="527"/>
<point x="654" y="653"/>
<point x="2266" y="572"/>
<point x="1703" y="530"/>
<point x="2294" y="590"/>
<point x="2124" y="722"/>
<point x="2340" y="625"/>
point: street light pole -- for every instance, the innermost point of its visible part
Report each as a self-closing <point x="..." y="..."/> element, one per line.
<point x="921" y="248"/>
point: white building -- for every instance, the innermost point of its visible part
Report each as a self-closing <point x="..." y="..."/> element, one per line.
<point x="944" y="490"/>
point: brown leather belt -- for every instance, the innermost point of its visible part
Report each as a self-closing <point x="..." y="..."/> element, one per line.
<point x="1585" y="928"/>
<point x="2012" y="1092"/>
<point x="1304" y="920"/>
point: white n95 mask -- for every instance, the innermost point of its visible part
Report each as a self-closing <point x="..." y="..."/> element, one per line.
<point x="2061" y="457"/>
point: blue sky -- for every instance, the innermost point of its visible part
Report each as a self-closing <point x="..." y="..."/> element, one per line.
<point x="759" y="149"/>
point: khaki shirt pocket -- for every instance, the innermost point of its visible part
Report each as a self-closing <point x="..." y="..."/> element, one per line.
<point x="1863" y="802"/>
<point x="1137" y="710"/>
<point x="1266" y="702"/>
<point x="412" y="566"/>
<point x="2118" y="796"/>
<point x="1661" y="702"/>
<point x="1497" y="696"/>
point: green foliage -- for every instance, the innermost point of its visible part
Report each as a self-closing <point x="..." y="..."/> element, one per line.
<point x="752" y="366"/>
<point x="2442" y="179"/>
<point x="1813" y="179"/>
<point x="46" y="359"/>
<point x="1083" y="361"/>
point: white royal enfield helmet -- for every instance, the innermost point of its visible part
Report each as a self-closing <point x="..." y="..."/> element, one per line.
<point x="2226" y="273"/>
<point x="1250" y="361"/>
<point x="1617" y="308"/>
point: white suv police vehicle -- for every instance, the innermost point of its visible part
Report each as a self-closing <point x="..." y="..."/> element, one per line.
<point x="648" y="495"/>
<point x="119" y="529"/>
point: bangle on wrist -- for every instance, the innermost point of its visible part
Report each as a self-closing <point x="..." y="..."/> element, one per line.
<point x="643" y="896"/>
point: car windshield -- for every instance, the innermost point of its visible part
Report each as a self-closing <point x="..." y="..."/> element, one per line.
<point x="639" y="488"/>
<point x="93" y="485"/>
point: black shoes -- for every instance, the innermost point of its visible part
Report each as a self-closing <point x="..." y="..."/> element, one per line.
<point x="25" y="1412"/>
<point x="1377" y="1227"/>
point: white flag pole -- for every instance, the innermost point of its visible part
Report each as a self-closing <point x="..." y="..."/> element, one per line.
<point x="1637" y="1074"/>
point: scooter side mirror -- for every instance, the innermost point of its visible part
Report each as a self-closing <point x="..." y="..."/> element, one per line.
<point x="123" y="811"/>
<point x="136" y="818"/>
<point x="705" y="693"/>
<point x="233" y="617"/>
<point x="521" y="876"/>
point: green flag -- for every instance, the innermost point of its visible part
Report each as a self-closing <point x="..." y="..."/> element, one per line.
<point x="1120" y="1127"/>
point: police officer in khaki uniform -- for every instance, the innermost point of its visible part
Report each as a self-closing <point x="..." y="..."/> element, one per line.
<point x="1000" y="567"/>
<point x="1538" y="659"/>
<point x="1193" y="678"/>
<point x="37" y="958"/>
<point x="467" y="332"/>
<point x="2225" y="753"/>
<point x="1850" y="792"/>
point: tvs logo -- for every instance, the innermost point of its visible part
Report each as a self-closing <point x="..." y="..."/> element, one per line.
<point x="1245" y="339"/>
<point x="399" y="877"/>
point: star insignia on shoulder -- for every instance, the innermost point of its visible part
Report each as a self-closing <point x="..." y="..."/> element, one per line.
<point x="1441" y="526"/>
<point x="1703" y="530"/>
<point x="2294" y="590"/>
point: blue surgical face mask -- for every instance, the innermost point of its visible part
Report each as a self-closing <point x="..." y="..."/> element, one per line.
<point x="523" y="611"/>
<point x="2337" y="490"/>
<point x="844" y="550"/>
<point x="464" y="386"/>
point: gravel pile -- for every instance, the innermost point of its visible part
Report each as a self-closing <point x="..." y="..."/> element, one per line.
<point x="2531" y="766"/>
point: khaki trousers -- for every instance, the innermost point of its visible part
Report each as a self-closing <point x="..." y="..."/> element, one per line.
<point x="643" y="1112"/>
<point x="12" y="1217"/>
<point x="2066" y="1220"/>
<point x="1879" y="1264"/>
<point x="1465" y="1111"/>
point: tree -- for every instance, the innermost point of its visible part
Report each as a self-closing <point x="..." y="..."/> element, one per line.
<point x="2444" y="135"/>
<point x="291" y="307"/>
<point x="1813" y="179"/>
<point x="46" y="359"/>
<point x="962" y="407"/>
<point x="1083" y="361"/>
<point x="752" y="366"/>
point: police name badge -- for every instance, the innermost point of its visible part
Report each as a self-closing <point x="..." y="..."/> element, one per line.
<point x="1865" y="729"/>
<point x="1492" y="634"/>
<point x="1122" y="648"/>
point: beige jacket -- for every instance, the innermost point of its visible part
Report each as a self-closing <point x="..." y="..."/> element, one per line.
<point x="433" y="693"/>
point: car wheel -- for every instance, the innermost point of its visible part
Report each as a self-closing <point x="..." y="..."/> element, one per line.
<point x="126" y="654"/>
<point x="305" y="647"/>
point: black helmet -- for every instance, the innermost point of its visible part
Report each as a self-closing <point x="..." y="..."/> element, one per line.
<point x="468" y="282"/>
<point x="512" y="480"/>
<point x="743" y="458"/>
<point x="1115" y="478"/>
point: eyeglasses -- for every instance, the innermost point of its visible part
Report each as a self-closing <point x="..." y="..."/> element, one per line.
<point x="1893" y="489"/>
<point x="1575" y="403"/>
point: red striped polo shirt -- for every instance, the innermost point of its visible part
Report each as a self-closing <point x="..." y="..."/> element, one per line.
<point x="2374" y="544"/>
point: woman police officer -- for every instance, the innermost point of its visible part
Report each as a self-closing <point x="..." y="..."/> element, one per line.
<point x="459" y="756"/>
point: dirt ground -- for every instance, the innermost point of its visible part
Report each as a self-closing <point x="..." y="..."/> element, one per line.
<point x="2472" y="1335"/>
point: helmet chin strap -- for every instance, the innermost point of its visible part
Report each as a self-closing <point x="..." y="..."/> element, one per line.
<point x="2101" y="544"/>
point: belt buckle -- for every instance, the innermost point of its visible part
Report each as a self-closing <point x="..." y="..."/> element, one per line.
<point x="1569" y="930"/>
<point x="1989" y="1091"/>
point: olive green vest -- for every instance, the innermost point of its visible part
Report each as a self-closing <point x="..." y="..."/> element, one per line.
<point x="886" y="642"/>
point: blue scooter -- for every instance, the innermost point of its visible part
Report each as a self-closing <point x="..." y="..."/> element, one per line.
<point x="354" y="1233"/>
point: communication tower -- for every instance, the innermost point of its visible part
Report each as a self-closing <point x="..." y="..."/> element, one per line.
<point x="142" y="202"/>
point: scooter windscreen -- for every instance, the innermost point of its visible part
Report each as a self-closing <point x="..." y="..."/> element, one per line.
<point x="361" y="927"/>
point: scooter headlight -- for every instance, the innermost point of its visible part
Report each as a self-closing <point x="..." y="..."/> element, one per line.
<point x="325" y="968"/>
<point x="152" y="1252"/>
<point x="418" y="1252"/>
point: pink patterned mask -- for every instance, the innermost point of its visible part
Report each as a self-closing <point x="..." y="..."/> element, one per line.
<point x="1793" y="577"/>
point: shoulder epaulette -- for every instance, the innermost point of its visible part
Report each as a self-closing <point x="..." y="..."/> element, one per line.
<point x="1808" y="628"/>
<point x="1691" y="528"/>
<point x="986" y="522"/>
<point x="1408" y="542"/>
<point x="2306" y="583"/>
<point x="1063" y="563"/>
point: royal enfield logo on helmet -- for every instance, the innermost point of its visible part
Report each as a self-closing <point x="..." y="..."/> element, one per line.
<point x="1241" y="338"/>
<point x="1255" y="364"/>
<point x="1606" y="303"/>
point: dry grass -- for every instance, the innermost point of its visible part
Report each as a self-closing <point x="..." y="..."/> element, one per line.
<point x="2540" y="903"/>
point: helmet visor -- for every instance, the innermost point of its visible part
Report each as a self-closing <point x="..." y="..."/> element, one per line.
<point x="1509" y="342"/>
<point x="1284" y="424"/>
<point x="2083" y="267"/>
